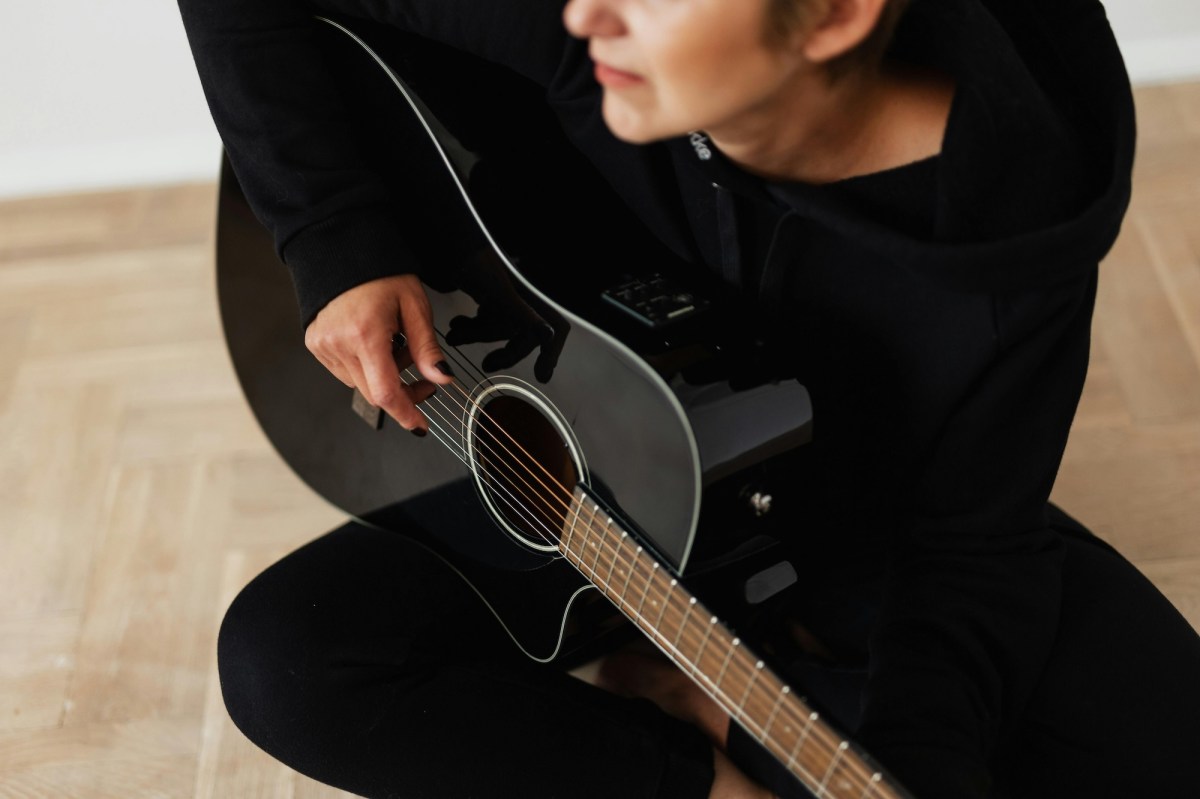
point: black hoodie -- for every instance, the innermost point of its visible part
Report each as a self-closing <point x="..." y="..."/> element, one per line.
<point x="944" y="365"/>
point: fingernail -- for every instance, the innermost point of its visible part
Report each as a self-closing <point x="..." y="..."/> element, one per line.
<point x="419" y="432"/>
<point x="444" y="368"/>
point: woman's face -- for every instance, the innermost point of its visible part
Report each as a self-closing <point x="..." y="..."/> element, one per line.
<point x="673" y="66"/>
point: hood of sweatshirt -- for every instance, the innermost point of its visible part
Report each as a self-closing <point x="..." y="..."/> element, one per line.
<point x="1034" y="175"/>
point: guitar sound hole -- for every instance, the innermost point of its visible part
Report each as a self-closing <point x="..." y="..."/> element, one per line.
<point x="526" y="468"/>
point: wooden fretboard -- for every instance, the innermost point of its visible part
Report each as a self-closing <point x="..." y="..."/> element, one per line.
<point x="704" y="648"/>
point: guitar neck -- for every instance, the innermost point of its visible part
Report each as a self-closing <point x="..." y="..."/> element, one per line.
<point x="705" y="649"/>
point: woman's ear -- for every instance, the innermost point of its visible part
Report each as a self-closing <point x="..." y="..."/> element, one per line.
<point x="845" y="25"/>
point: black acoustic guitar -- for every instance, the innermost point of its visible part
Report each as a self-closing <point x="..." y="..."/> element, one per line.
<point x="614" y="424"/>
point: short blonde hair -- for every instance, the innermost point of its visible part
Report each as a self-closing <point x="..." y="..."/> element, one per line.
<point x="786" y="16"/>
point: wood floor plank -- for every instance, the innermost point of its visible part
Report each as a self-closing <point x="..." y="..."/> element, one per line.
<point x="1186" y="98"/>
<point x="145" y="644"/>
<point x="37" y="653"/>
<point x="15" y="326"/>
<point x="94" y="222"/>
<point x="151" y="759"/>
<point x="1136" y="487"/>
<point x="1172" y="235"/>
<point x="81" y="278"/>
<point x="58" y="446"/>
<point x="1179" y="580"/>
<point x="1142" y="336"/>
<point x="270" y="506"/>
<point x="1161" y="116"/>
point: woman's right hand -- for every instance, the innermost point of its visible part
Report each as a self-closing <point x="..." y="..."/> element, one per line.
<point x="352" y="336"/>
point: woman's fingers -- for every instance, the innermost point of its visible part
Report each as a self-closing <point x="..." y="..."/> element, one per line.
<point x="416" y="318"/>
<point x="353" y="338"/>
<point x="385" y="389"/>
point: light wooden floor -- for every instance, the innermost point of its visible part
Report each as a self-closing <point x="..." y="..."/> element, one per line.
<point x="137" y="494"/>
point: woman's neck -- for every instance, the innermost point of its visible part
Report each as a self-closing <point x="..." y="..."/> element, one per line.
<point x="815" y="131"/>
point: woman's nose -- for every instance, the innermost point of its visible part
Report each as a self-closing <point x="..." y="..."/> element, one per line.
<point x="587" y="18"/>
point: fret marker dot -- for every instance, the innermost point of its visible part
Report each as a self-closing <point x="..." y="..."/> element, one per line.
<point x="843" y="746"/>
<point x="787" y="690"/>
<point x="814" y="716"/>
<point x="759" y="665"/>
<point x="876" y="777"/>
<point x="692" y="601"/>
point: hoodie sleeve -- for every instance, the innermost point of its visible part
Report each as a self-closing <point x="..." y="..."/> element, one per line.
<point x="277" y="110"/>
<point x="971" y="608"/>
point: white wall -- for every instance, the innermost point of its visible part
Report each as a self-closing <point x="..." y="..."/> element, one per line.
<point x="1160" y="38"/>
<point x="95" y="95"/>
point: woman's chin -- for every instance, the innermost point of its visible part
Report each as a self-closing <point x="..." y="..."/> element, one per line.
<point x="629" y="124"/>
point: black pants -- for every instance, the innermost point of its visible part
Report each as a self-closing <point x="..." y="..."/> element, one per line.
<point x="362" y="661"/>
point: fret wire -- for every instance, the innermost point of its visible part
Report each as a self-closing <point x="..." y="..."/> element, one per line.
<point x="683" y="622"/>
<point x="616" y="552"/>
<point x="638" y="558"/>
<point x="732" y="648"/>
<point x="587" y="539"/>
<point x="603" y="586"/>
<point x="589" y="526"/>
<point x="599" y="549"/>
<point x="577" y="506"/>
<point x="629" y="573"/>
<point x="812" y="717"/>
<point x="778" y="703"/>
<point x="749" y="684"/>
<point x="646" y="590"/>
<point x="707" y="634"/>
<point x="833" y="764"/>
<point x="666" y="599"/>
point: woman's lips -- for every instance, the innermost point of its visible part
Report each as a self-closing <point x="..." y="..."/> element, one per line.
<point x="615" y="78"/>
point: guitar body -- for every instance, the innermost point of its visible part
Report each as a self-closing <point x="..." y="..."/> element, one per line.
<point x="603" y="387"/>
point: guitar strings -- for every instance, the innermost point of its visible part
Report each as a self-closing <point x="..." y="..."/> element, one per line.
<point x="667" y="599"/>
<point x="446" y="437"/>
<point x="870" y="785"/>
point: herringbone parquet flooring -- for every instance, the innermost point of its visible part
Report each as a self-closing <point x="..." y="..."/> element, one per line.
<point x="137" y="495"/>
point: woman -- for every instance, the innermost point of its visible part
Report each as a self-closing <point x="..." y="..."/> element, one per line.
<point x="920" y="216"/>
